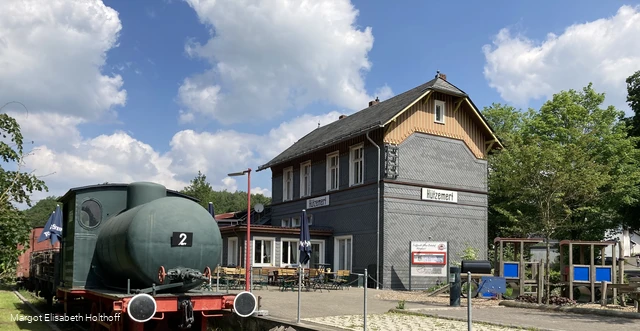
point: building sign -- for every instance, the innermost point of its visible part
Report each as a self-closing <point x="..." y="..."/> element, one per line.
<point x="429" y="259"/>
<point x="318" y="202"/>
<point x="439" y="195"/>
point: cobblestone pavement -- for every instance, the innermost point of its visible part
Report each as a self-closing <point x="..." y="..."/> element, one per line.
<point x="397" y="322"/>
<point x="344" y="308"/>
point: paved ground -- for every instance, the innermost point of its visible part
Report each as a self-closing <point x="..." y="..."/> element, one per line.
<point x="344" y="308"/>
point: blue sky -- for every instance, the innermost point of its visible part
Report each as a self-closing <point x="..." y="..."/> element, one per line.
<point x="178" y="116"/>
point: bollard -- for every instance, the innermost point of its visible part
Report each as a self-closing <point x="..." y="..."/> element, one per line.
<point x="469" y="300"/>
<point x="454" y="286"/>
<point x="365" y="300"/>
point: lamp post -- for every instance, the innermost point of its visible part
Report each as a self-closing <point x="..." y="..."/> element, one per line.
<point x="247" y="263"/>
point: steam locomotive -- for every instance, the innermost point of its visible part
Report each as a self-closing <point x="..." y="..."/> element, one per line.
<point x="137" y="254"/>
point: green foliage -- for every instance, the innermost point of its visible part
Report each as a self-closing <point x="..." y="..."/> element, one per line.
<point x="400" y="304"/>
<point x="40" y="212"/>
<point x="630" y="213"/>
<point x="567" y="169"/>
<point x="223" y="201"/>
<point x="469" y="253"/>
<point x="15" y="187"/>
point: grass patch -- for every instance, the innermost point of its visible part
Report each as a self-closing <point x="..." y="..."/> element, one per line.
<point x="11" y="307"/>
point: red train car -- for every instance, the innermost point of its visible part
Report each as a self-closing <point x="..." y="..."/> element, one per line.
<point x="23" y="269"/>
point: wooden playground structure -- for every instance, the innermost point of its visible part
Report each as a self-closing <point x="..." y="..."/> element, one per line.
<point x="580" y="275"/>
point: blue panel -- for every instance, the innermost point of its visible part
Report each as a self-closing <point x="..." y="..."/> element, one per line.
<point x="490" y="286"/>
<point x="580" y="274"/>
<point x="511" y="270"/>
<point x="603" y="273"/>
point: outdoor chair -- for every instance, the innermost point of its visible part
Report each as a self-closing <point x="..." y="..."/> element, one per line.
<point x="288" y="278"/>
<point x="341" y="278"/>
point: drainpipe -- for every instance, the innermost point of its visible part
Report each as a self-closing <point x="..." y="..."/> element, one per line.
<point x="378" y="216"/>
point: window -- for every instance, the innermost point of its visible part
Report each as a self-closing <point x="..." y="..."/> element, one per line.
<point x="333" y="171"/>
<point x="263" y="251"/>
<point x="286" y="223"/>
<point x="295" y="222"/>
<point x="357" y="165"/>
<point x="287" y="189"/>
<point x="317" y="253"/>
<point x="289" y="252"/>
<point x="342" y="253"/>
<point x="305" y="179"/>
<point x="439" y="111"/>
<point x="310" y="218"/>
<point x="232" y="251"/>
<point x="90" y="214"/>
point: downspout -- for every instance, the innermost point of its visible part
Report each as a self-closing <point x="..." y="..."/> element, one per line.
<point x="378" y="216"/>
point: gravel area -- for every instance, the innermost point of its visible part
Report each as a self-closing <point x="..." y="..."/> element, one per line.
<point x="393" y="322"/>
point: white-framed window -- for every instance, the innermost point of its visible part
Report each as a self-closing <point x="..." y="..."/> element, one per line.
<point x="286" y="222"/>
<point x="356" y="163"/>
<point x="305" y="179"/>
<point x="287" y="184"/>
<point x="317" y="253"/>
<point x="264" y="250"/>
<point x="342" y="252"/>
<point x="438" y="111"/>
<point x="295" y="222"/>
<point x="232" y="251"/>
<point x="289" y="252"/>
<point x="310" y="218"/>
<point x="333" y="171"/>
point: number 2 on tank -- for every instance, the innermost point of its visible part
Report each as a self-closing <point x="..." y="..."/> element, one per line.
<point x="182" y="239"/>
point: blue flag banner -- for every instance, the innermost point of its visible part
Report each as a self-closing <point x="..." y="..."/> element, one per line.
<point x="211" y="210"/>
<point x="56" y="226"/>
<point x="45" y="231"/>
<point x="305" y="239"/>
<point x="53" y="228"/>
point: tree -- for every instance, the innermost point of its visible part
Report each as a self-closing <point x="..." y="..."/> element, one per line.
<point x="40" y="212"/>
<point x="630" y="213"/>
<point x="567" y="170"/>
<point x="223" y="201"/>
<point x="15" y="187"/>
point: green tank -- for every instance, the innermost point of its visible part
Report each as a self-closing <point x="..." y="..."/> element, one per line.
<point x="157" y="231"/>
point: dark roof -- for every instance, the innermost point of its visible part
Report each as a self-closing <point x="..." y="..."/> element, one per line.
<point x="75" y="190"/>
<point x="362" y="121"/>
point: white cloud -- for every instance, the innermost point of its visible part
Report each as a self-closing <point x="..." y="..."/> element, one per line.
<point x="605" y="52"/>
<point x="51" y="54"/>
<point x="269" y="56"/>
<point x="121" y="158"/>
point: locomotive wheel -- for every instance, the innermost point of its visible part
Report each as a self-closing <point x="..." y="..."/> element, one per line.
<point x="161" y="275"/>
<point x="207" y="273"/>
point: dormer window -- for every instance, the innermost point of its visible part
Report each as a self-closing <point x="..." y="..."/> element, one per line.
<point x="438" y="111"/>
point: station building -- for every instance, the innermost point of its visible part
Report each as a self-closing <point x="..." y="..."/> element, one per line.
<point x="410" y="168"/>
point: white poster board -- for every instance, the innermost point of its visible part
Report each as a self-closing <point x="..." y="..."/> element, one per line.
<point x="429" y="259"/>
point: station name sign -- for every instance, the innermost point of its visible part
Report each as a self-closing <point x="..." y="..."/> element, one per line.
<point x="318" y="202"/>
<point x="439" y="195"/>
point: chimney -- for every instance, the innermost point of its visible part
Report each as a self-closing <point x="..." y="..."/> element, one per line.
<point x="441" y="75"/>
<point x="374" y="102"/>
<point x="342" y="116"/>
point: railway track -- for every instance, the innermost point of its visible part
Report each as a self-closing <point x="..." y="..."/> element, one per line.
<point x="44" y="309"/>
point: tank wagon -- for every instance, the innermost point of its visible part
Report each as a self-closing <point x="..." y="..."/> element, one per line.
<point x="136" y="255"/>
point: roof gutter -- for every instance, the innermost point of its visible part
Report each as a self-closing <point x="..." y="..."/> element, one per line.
<point x="378" y="217"/>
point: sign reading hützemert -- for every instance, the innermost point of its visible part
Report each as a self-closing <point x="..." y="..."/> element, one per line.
<point x="439" y="195"/>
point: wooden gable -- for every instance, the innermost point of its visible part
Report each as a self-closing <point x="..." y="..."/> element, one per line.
<point x="461" y="121"/>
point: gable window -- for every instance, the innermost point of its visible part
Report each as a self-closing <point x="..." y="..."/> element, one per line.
<point x="305" y="179"/>
<point x="342" y="253"/>
<point x="263" y="252"/>
<point x="289" y="252"/>
<point x="287" y="181"/>
<point x="356" y="173"/>
<point x="439" y="111"/>
<point x="333" y="171"/>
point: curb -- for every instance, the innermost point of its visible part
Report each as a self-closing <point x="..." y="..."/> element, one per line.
<point x="505" y="325"/>
<point x="24" y="300"/>
<point x="577" y="310"/>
